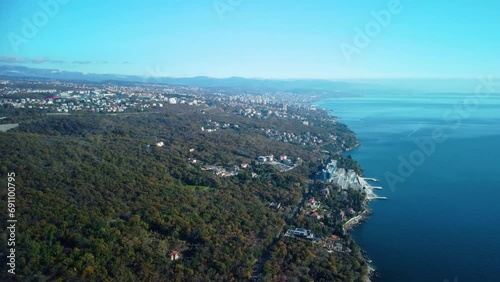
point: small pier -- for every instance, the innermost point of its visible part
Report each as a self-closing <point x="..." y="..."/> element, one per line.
<point x="380" y="198"/>
<point x="371" y="179"/>
<point x="377" y="187"/>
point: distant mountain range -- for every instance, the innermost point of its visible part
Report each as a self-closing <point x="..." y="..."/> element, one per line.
<point x="237" y="83"/>
<point x="240" y="84"/>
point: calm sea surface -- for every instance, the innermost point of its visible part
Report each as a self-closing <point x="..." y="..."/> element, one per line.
<point x="442" y="219"/>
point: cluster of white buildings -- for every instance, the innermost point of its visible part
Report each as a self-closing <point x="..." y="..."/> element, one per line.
<point x="346" y="179"/>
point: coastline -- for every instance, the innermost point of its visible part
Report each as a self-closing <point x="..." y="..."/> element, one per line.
<point x="372" y="273"/>
<point x="352" y="223"/>
<point x="357" y="145"/>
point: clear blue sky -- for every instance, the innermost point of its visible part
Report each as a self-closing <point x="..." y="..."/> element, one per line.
<point x="253" y="38"/>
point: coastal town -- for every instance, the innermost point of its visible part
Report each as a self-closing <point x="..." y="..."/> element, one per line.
<point x="322" y="203"/>
<point x="343" y="179"/>
<point x="60" y="97"/>
<point x="260" y="141"/>
<point x="65" y="97"/>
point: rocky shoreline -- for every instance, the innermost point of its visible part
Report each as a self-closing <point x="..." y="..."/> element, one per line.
<point x="373" y="274"/>
<point x="357" y="220"/>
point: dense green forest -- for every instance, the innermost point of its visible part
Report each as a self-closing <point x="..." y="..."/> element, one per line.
<point x="97" y="200"/>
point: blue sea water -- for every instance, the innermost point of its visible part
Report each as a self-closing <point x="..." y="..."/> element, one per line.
<point x="441" y="221"/>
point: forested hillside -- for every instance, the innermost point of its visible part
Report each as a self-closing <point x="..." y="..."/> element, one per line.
<point x="98" y="200"/>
